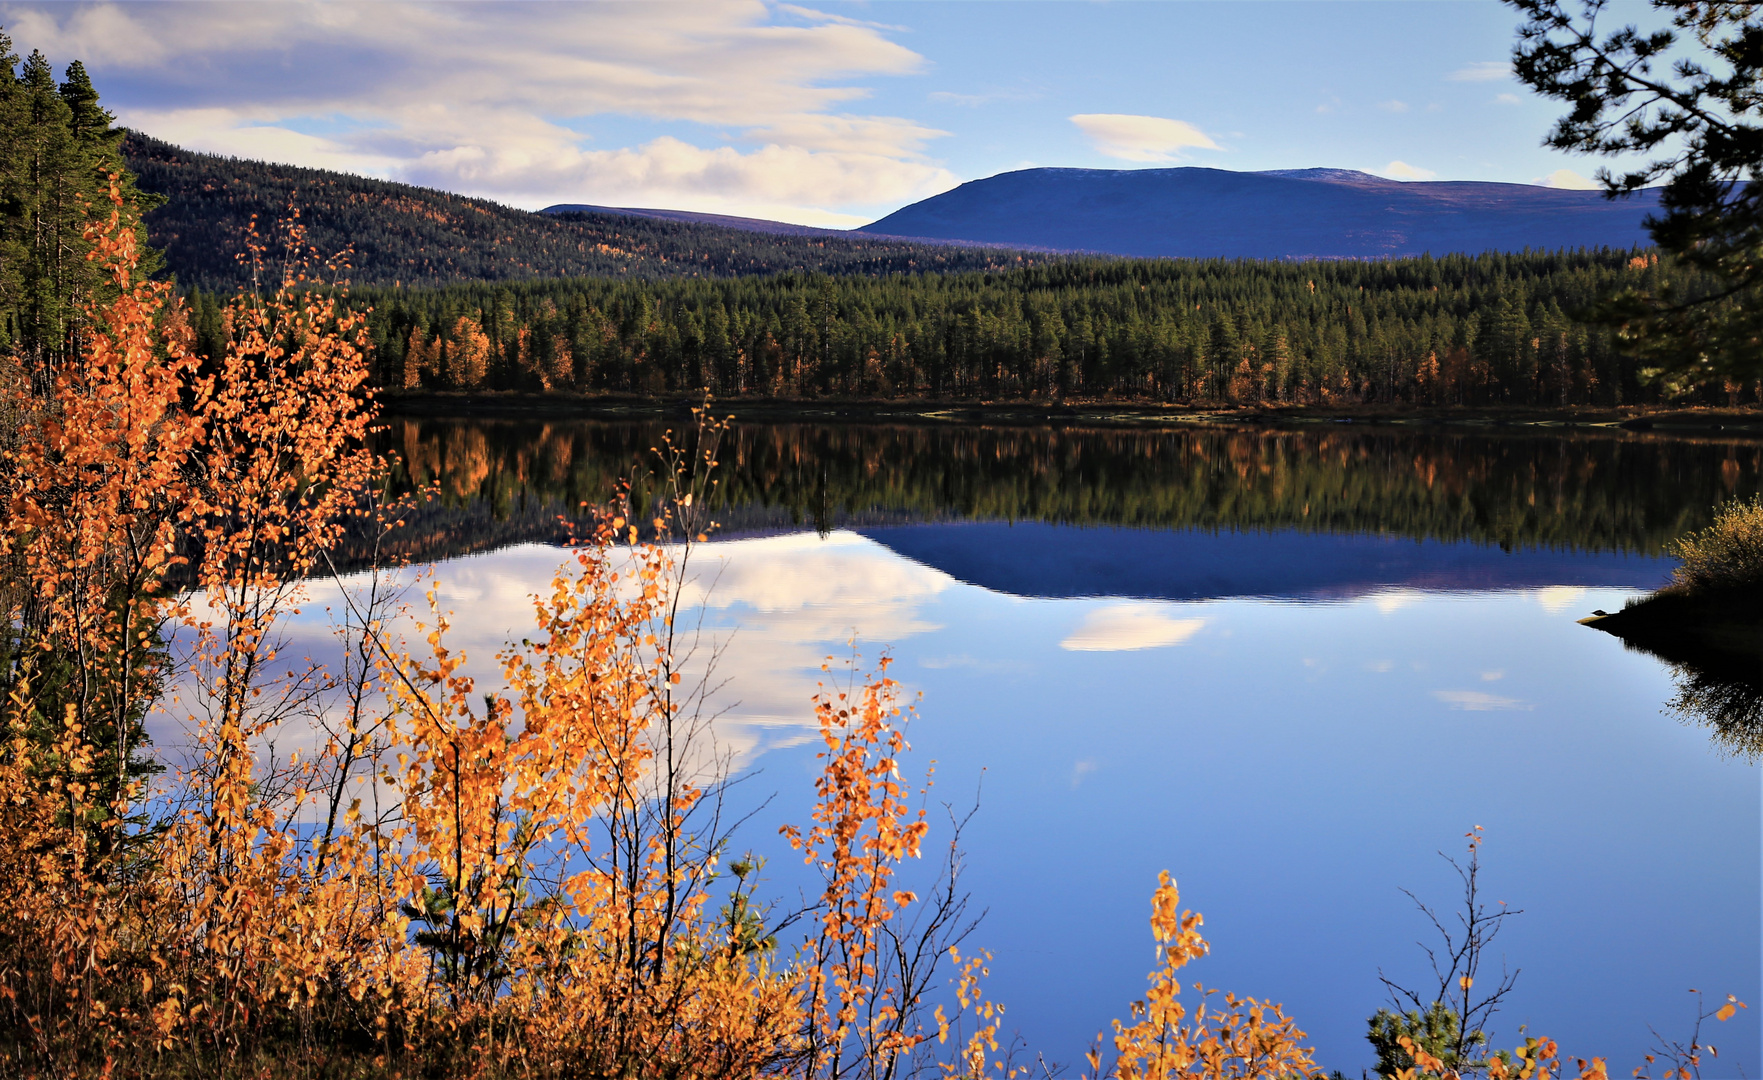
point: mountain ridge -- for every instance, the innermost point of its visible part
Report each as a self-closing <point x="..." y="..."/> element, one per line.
<point x="412" y="236"/>
<point x="401" y="235"/>
<point x="1195" y="212"/>
<point x="759" y="225"/>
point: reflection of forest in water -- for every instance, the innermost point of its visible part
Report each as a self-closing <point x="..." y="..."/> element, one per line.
<point x="506" y="481"/>
<point x="1717" y="667"/>
<point x="1585" y="490"/>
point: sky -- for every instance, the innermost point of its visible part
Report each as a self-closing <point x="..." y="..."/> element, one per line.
<point x="818" y="113"/>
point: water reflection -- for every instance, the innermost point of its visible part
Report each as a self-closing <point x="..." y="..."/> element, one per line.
<point x="1101" y="625"/>
<point x="1034" y="559"/>
<point x="1718" y="674"/>
<point x="1295" y="764"/>
<point x="504" y="481"/>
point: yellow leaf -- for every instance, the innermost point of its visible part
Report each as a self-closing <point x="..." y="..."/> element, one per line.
<point x="1725" y="1012"/>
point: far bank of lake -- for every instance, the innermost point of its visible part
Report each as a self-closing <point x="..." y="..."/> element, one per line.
<point x="463" y="404"/>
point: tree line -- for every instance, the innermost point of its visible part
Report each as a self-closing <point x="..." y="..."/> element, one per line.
<point x="1499" y="329"/>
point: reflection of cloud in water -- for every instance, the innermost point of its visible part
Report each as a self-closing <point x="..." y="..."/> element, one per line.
<point x="812" y="588"/>
<point x="1390" y="601"/>
<point x="984" y="667"/>
<point x="1126" y="627"/>
<point x="1477" y="701"/>
<point x="762" y="616"/>
<point x="1558" y="598"/>
<point x="1080" y="770"/>
<point x="773" y="610"/>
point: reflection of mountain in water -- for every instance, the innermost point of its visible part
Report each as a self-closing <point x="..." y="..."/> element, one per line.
<point x="1032" y="559"/>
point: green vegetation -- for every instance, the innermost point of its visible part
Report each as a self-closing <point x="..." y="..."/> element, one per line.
<point x="1492" y="329"/>
<point x="58" y="155"/>
<point x="1679" y="105"/>
<point x="58" y="160"/>
<point x="400" y="235"/>
<point x="1727" y="554"/>
<point x="1437" y="1031"/>
<point x="1708" y="626"/>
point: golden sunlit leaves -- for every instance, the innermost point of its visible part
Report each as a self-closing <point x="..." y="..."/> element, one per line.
<point x="512" y="883"/>
<point x="1245" y="1038"/>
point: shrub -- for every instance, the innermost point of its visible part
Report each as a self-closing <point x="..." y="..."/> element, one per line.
<point x="521" y="883"/>
<point x="1727" y="554"/>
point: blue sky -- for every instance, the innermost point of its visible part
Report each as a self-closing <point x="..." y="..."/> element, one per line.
<point x="823" y="113"/>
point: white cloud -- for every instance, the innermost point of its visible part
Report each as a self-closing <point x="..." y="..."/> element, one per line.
<point x="1568" y="179"/>
<point x="974" y="101"/>
<point x="1393" y="106"/>
<point x="1477" y="701"/>
<point x="1141" y="138"/>
<point x="1401" y="170"/>
<point x="1127" y="627"/>
<point x="1482" y="71"/>
<point x="821" y="16"/>
<point x="1508" y="99"/>
<point x="527" y="103"/>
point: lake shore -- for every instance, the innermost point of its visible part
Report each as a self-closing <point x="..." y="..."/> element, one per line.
<point x="1688" y="420"/>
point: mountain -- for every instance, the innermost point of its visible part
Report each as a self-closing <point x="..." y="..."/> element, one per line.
<point x="1284" y="214"/>
<point x="410" y="236"/>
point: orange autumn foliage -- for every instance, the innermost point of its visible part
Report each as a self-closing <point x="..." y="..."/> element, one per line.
<point x="516" y="880"/>
<point x="1245" y="1038"/>
<point x="96" y="486"/>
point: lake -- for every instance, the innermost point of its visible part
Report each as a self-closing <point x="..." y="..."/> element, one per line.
<point x="1291" y="666"/>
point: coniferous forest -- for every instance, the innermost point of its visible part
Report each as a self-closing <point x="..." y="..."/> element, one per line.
<point x="58" y="153"/>
<point x="1494" y="329"/>
<point x="468" y="296"/>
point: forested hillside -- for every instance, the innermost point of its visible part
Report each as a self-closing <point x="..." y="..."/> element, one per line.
<point x="409" y="236"/>
<point x="1493" y="329"/>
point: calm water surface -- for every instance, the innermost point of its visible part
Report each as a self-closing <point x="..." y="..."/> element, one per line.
<point x="1288" y="666"/>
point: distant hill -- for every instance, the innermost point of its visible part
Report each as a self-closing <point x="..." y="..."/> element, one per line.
<point x="764" y="225"/>
<point x="412" y="236"/>
<point x="1286" y="214"/>
<point x="726" y="221"/>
